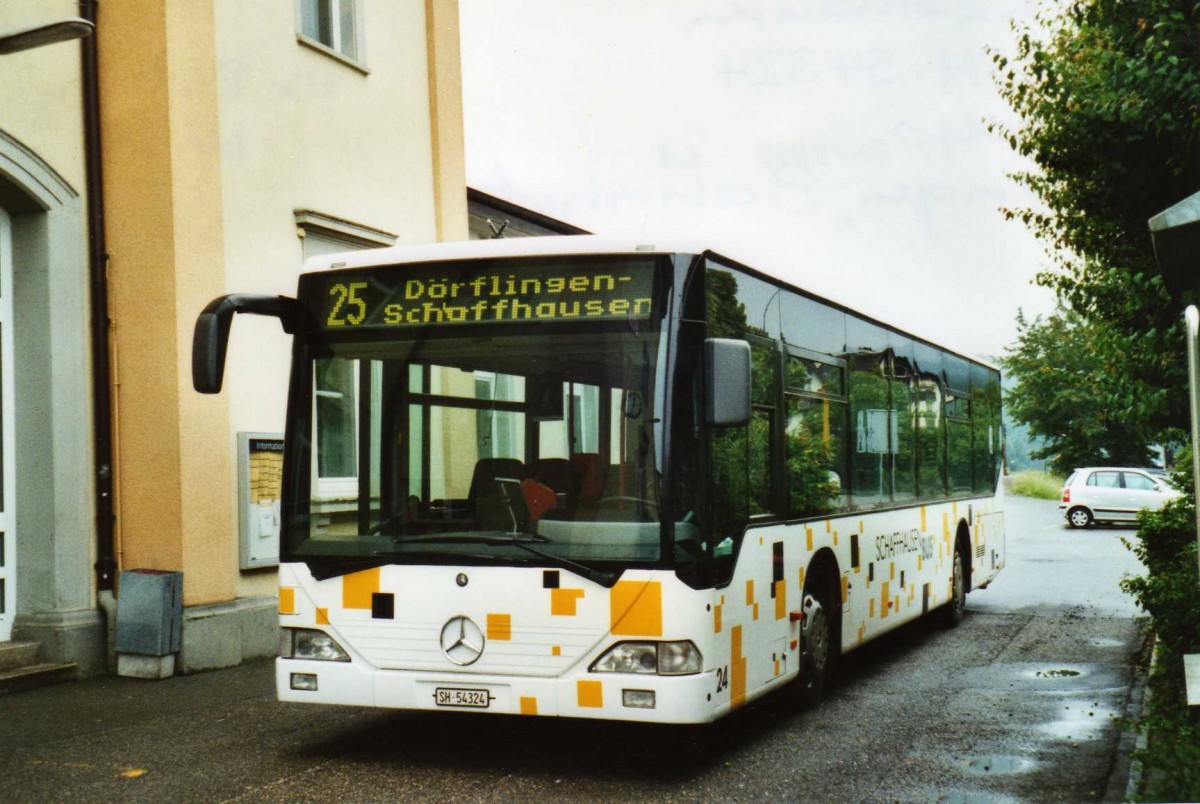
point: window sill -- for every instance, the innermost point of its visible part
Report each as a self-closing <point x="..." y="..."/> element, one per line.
<point x="333" y="54"/>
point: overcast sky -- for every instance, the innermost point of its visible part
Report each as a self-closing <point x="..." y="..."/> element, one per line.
<point x="838" y="144"/>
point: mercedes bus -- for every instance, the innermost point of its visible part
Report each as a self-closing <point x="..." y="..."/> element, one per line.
<point x="565" y="476"/>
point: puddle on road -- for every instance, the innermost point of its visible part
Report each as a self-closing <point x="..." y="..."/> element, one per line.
<point x="1106" y="642"/>
<point x="1079" y="722"/>
<point x="1052" y="674"/>
<point x="998" y="764"/>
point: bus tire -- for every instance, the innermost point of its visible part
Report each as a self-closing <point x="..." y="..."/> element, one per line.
<point x="952" y="612"/>
<point x="817" y="643"/>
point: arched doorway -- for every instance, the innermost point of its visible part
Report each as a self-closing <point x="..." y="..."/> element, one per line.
<point x="46" y="461"/>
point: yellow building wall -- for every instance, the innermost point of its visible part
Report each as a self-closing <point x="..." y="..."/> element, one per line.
<point x="445" y="96"/>
<point x="41" y="91"/>
<point x="162" y="192"/>
<point x="218" y="125"/>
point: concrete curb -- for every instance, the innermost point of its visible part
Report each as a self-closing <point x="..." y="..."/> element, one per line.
<point x="1139" y="700"/>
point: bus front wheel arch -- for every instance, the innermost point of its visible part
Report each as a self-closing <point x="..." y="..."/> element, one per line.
<point x="960" y="579"/>
<point x="820" y="629"/>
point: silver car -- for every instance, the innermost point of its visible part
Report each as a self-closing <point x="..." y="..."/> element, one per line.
<point x="1111" y="494"/>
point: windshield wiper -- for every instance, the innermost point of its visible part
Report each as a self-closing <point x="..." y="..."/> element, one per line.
<point x="471" y="538"/>
<point x="378" y="559"/>
<point x="523" y="541"/>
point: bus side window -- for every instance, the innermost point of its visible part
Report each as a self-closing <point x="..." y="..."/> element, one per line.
<point x="985" y="392"/>
<point x="815" y="437"/>
<point x="729" y="492"/>
<point x="931" y="442"/>
<point x="959" y="413"/>
<point x="764" y="385"/>
<point x="872" y="420"/>
<point x="902" y="381"/>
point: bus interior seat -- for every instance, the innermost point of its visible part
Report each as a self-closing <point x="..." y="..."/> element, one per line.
<point x="486" y="500"/>
<point x="561" y="477"/>
<point x="592" y="477"/>
<point x="538" y="498"/>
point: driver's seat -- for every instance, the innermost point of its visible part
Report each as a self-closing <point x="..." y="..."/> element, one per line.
<point x="486" y="500"/>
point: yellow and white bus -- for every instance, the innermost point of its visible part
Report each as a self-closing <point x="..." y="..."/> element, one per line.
<point x="568" y="477"/>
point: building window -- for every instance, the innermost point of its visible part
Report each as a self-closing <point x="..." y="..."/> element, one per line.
<point x="334" y="26"/>
<point x="337" y="382"/>
<point x="325" y="234"/>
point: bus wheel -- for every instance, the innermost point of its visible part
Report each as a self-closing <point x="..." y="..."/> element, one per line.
<point x="816" y="643"/>
<point x="952" y="612"/>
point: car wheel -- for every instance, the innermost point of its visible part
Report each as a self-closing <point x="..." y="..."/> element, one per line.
<point x="1079" y="518"/>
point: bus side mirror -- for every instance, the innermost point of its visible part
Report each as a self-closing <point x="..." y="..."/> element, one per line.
<point x="210" y="338"/>
<point x="727" y="377"/>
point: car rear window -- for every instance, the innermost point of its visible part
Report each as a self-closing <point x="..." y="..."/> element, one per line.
<point x="1106" y="480"/>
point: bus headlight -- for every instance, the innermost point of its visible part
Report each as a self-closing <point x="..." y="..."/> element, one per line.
<point x="660" y="658"/>
<point x="308" y="643"/>
<point x="678" y="659"/>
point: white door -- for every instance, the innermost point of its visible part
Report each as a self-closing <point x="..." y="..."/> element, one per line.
<point x="8" y="536"/>
<point x="1142" y="492"/>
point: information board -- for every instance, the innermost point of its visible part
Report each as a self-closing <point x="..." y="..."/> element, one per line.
<point x="260" y="488"/>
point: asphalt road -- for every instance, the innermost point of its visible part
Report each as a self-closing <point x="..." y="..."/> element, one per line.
<point x="1018" y="703"/>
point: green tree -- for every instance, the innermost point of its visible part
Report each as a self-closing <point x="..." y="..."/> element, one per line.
<point x="1107" y="93"/>
<point x="1064" y="367"/>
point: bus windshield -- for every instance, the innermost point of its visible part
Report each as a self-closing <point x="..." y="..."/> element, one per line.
<point x="481" y="440"/>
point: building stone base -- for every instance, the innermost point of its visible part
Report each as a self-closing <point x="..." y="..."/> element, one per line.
<point x="78" y="637"/>
<point x="131" y="665"/>
<point x="226" y="634"/>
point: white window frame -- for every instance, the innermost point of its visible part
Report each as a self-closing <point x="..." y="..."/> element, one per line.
<point x="336" y="48"/>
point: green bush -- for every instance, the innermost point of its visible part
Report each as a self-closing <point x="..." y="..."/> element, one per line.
<point x="1170" y="594"/>
<point x="1043" y="485"/>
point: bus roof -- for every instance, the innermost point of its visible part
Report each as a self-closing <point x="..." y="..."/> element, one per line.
<point x="545" y="246"/>
<point x="567" y="245"/>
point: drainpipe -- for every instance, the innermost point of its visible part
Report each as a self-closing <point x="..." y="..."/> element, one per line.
<point x="106" y="564"/>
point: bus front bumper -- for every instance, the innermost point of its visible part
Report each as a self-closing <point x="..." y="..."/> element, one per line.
<point x="609" y="696"/>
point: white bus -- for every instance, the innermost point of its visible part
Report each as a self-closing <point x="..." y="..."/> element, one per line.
<point x="565" y="477"/>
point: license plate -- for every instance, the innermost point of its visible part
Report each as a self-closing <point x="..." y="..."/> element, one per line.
<point x="454" y="696"/>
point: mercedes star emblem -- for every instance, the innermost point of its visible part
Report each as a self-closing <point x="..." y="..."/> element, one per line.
<point x="462" y="640"/>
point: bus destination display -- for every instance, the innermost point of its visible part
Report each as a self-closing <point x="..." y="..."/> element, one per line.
<point x="448" y="294"/>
